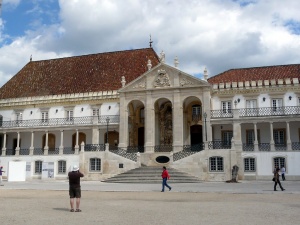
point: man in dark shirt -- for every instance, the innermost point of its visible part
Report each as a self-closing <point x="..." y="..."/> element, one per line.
<point x="74" y="188"/>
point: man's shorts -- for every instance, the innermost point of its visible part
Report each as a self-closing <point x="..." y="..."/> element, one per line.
<point x="75" y="192"/>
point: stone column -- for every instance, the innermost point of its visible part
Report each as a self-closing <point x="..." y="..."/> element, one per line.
<point x="18" y="145"/>
<point x="206" y="109"/>
<point x="31" y="149"/>
<point x="61" y="147"/>
<point x="123" y="125"/>
<point x="95" y="136"/>
<point x="272" y="143"/>
<point x="149" y="124"/>
<point x="177" y="112"/>
<point x="46" y="148"/>
<point x="288" y="133"/>
<point x="76" y="145"/>
<point x="237" y="136"/>
<point x="255" y="138"/>
<point x="4" y="145"/>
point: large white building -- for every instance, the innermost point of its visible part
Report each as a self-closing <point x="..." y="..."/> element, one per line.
<point x="112" y="112"/>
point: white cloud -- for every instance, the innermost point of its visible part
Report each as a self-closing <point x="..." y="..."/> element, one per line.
<point x="220" y="34"/>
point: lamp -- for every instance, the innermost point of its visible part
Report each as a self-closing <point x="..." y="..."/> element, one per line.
<point x="81" y="109"/>
<point x="107" y="122"/>
<point x="205" y="116"/>
<point x="56" y="111"/>
<point x="264" y="99"/>
<point x="290" y="97"/>
<point x="30" y="112"/>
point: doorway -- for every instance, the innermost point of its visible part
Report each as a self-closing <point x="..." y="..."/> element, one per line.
<point x="196" y="134"/>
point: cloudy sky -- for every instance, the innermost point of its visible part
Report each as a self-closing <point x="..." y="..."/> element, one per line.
<point x="217" y="34"/>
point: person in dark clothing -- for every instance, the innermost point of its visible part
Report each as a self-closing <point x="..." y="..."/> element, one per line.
<point x="276" y="180"/>
<point x="74" y="188"/>
<point x="165" y="176"/>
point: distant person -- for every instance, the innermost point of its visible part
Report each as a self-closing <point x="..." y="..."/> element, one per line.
<point x="282" y="173"/>
<point x="276" y="180"/>
<point x="165" y="176"/>
<point x="74" y="188"/>
<point x="1" y="172"/>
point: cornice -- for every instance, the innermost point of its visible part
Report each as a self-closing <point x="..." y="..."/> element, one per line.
<point x="277" y="89"/>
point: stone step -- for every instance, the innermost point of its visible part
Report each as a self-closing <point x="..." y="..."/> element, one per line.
<point x="146" y="174"/>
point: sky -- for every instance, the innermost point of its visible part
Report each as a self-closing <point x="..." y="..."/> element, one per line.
<point x="215" y="34"/>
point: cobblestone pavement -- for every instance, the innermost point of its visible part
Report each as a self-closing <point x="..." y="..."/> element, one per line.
<point x="247" y="202"/>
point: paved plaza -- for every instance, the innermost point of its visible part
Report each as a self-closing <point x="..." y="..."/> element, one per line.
<point x="247" y="202"/>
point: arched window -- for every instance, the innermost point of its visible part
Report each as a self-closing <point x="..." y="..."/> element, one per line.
<point x="249" y="164"/>
<point x="95" y="164"/>
<point x="216" y="164"/>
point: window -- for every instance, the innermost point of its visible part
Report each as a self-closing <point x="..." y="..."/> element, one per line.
<point x="226" y="137"/>
<point x="277" y="106"/>
<point x="19" y="116"/>
<point x="216" y="164"/>
<point x="226" y="107"/>
<point x="279" y="136"/>
<point x="95" y="164"/>
<point x="251" y="108"/>
<point x="44" y="117"/>
<point x="196" y="112"/>
<point x="142" y="115"/>
<point x="70" y="115"/>
<point x="279" y="162"/>
<point x="96" y="112"/>
<point x="249" y="165"/>
<point x="62" y="166"/>
<point x="38" y="167"/>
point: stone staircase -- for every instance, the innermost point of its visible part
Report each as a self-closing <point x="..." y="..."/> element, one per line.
<point x="147" y="174"/>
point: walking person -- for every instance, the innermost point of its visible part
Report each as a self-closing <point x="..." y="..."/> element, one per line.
<point x="74" y="188"/>
<point x="1" y="172"/>
<point x="282" y="173"/>
<point x="276" y="180"/>
<point x="165" y="176"/>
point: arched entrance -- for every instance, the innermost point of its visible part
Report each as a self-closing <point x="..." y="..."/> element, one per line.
<point x="136" y="126"/>
<point x="163" y="125"/>
<point x="193" y="121"/>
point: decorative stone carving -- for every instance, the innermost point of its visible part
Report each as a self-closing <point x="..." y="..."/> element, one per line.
<point x="185" y="81"/>
<point x="166" y="124"/>
<point x="162" y="79"/>
<point x="141" y="84"/>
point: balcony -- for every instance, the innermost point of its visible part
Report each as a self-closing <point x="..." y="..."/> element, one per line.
<point x="73" y="121"/>
<point x="256" y="112"/>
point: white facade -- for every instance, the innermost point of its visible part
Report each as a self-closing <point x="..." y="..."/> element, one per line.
<point x="200" y="128"/>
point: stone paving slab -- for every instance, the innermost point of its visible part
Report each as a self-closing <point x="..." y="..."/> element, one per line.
<point x="214" y="203"/>
<point x="216" y="187"/>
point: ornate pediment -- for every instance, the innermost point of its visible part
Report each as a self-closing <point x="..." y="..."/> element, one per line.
<point x="186" y="82"/>
<point x="162" y="79"/>
<point x="140" y="85"/>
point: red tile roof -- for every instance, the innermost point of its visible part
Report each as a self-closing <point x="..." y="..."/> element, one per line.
<point x="78" y="74"/>
<point x="257" y="73"/>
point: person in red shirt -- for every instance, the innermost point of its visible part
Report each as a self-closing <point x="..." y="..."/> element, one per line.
<point x="165" y="176"/>
<point x="74" y="188"/>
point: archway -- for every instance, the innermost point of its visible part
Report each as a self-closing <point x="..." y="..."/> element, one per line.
<point x="193" y="121"/>
<point x="113" y="139"/>
<point x="163" y="123"/>
<point x="136" y="126"/>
